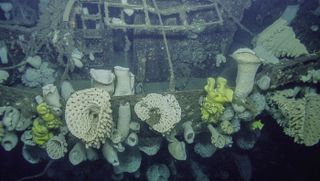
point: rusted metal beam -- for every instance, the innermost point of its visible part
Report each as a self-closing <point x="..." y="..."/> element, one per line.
<point x="290" y="71"/>
<point x="188" y="100"/>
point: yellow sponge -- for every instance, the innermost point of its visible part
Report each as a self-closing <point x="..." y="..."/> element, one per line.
<point x="213" y="104"/>
<point x="40" y="133"/>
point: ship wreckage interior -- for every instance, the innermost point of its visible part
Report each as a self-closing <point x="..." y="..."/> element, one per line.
<point x="159" y="89"/>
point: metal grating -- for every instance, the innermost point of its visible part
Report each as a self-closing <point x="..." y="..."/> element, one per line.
<point x="182" y="11"/>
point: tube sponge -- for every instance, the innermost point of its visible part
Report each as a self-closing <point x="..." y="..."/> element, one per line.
<point x="264" y="82"/>
<point x="51" y="95"/>
<point x="125" y="81"/>
<point x="217" y="139"/>
<point x="110" y="154"/>
<point x="259" y="102"/>
<point x="177" y="149"/>
<point x="124" y="117"/>
<point x="91" y="154"/>
<point x="132" y="139"/>
<point x="11" y="117"/>
<point x="9" y="141"/>
<point x="157" y="172"/>
<point x="104" y="79"/>
<point x="33" y="154"/>
<point x="119" y="147"/>
<point x="150" y="146"/>
<point x="56" y="147"/>
<point x="116" y="136"/>
<point x="134" y="126"/>
<point x="130" y="161"/>
<point x="188" y="132"/>
<point x="66" y="90"/>
<point x="26" y="138"/>
<point x="23" y="123"/>
<point x="205" y="150"/>
<point x="203" y="145"/>
<point x="77" y="154"/>
<point x="248" y="64"/>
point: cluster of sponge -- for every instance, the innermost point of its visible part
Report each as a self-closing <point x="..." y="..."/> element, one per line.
<point x="160" y="112"/>
<point x="88" y="116"/>
<point x="38" y="77"/>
